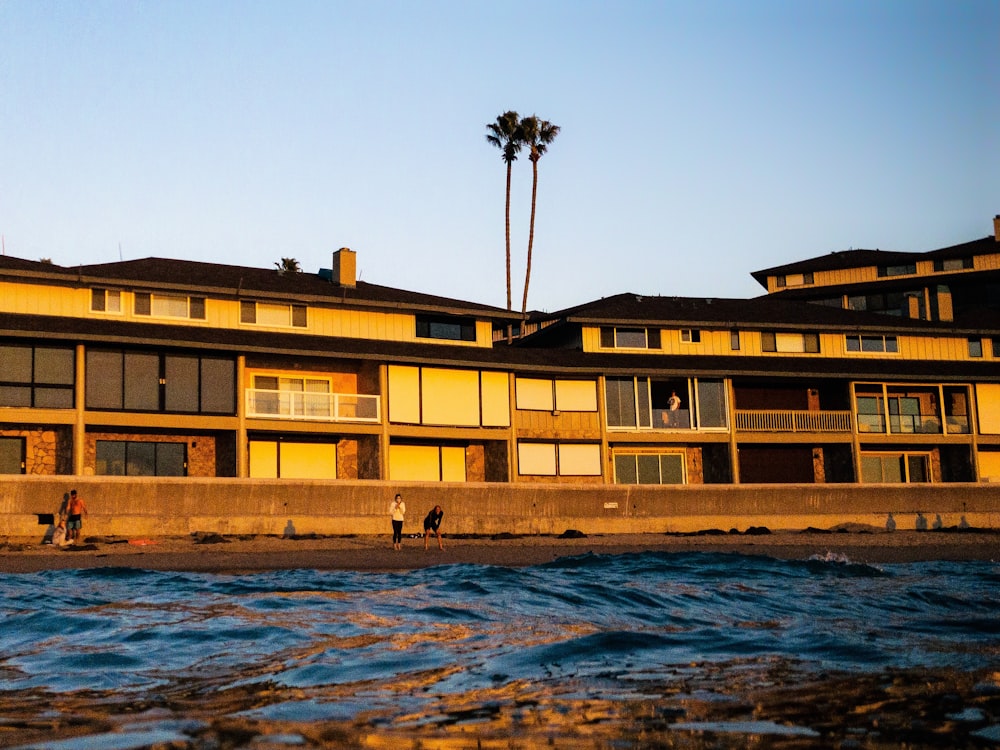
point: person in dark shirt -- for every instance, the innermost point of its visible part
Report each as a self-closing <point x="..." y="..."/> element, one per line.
<point x="433" y="523"/>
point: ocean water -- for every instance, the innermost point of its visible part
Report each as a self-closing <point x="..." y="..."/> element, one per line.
<point x="476" y="648"/>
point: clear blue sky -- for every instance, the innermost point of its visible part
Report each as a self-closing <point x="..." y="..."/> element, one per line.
<point x="701" y="140"/>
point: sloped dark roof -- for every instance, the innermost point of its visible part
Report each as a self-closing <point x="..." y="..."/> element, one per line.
<point x="713" y="312"/>
<point x="845" y="259"/>
<point x="214" y="278"/>
<point x="569" y="362"/>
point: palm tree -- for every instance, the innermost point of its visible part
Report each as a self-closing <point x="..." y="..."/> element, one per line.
<point x="288" y="265"/>
<point x="537" y="135"/>
<point x="505" y="135"/>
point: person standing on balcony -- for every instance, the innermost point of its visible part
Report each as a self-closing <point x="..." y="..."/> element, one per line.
<point x="397" y="511"/>
<point x="674" y="402"/>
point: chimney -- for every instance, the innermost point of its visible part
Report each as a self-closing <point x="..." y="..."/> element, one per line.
<point x="345" y="268"/>
<point x="996" y="227"/>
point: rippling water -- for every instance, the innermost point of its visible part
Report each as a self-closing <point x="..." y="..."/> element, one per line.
<point x="421" y="647"/>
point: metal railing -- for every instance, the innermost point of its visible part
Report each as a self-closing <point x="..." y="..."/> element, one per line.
<point x="766" y="420"/>
<point x="323" y="407"/>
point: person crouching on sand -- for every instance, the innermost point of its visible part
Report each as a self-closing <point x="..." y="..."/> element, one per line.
<point x="433" y="523"/>
<point x="397" y="510"/>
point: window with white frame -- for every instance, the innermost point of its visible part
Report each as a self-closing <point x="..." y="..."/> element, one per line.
<point x="649" y="468"/>
<point x="273" y="314"/>
<point x="690" y="336"/>
<point x="542" y="394"/>
<point x="559" y="459"/>
<point x="622" y="337"/>
<point x="790" y="343"/>
<point x="158" y="305"/>
<point x="872" y="344"/>
<point x="106" y="300"/>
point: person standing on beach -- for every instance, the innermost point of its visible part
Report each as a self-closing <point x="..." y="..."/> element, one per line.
<point x="397" y="510"/>
<point x="76" y="509"/>
<point x="432" y="522"/>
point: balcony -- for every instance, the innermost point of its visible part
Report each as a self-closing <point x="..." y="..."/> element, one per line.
<point x="765" y="420"/>
<point x="316" y="407"/>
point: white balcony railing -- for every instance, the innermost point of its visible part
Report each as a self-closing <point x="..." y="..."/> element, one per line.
<point x="323" y="407"/>
<point x="765" y="420"/>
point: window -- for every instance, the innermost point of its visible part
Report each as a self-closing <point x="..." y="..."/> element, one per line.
<point x="630" y="338"/>
<point x="649" y="468"/>
<point x="953" y="264"/>
<point x="275" y="315"/>
<point x="537" y="394"/>
<point x="282" y="396"/>
<point x="37" y="376"/>
<point x="880" y="344"/>
<point x="794" y="279"/>
<point x="902" y="269"/>
<point x="995" y="346"/>
<point x="169" y="306"/>
<point x="449" y="329"/>
<point x="559" y="459"/>
<point x="130" y="458"/>
<point x="894" y="468"/>
<point x="12" y="455"/>
<point x="106" y="300"/>
<point x="797" y="343"/>
<point x="734" y="341"/>
<point x="672" y="404"/>
<point x="690" y="336"/>
<point x="152" y="382"/>
<point x="975" y="348"/>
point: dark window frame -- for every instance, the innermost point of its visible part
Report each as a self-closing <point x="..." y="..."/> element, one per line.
<point x="42" y="390"/>
<point x="445" y="328"/>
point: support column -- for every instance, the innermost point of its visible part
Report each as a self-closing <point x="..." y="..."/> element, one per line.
<point x="79" y="400"/>
<point x="242" y="444"/>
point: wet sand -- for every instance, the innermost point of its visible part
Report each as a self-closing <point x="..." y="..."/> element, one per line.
<point x="213" y="553"/>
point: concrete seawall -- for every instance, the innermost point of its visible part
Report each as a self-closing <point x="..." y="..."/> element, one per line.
<point x="156" y="506"/>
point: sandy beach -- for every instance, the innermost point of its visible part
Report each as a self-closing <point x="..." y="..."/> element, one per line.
<point x="233" y="554"/>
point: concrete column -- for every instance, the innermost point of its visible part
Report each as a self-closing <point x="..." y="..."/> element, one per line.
<point x="242" y="444"/>
<point x="79" y="399"/>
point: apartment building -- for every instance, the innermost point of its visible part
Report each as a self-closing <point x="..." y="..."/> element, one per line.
<point x="180" y="368"/>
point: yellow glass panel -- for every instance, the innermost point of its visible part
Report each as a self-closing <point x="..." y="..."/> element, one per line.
<point x="308" y="461"/>
<point x="496" y="399"/>
<point x="404" y="394"/>
<point x="579" y="459"/>
<point x="536" y="459"/>
<point x="452" y="464"/>
<point x="576" y="395"/>
<point x="263" y="459"/>
<point x="533" y="394"/>
<point x="418" y="463"/>
<point x="988" y="403"/>
<point x="450" y="397"/>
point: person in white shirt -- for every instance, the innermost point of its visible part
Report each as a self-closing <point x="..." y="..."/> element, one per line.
<point x="397" y="510"/>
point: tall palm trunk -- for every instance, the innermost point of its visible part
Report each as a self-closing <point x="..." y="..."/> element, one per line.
<point x="507" y="233"/>
<point x="531" y="236"/>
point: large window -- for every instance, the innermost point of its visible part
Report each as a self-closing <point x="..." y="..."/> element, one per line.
<point x="449" y="329"/>
<point x="133" y="458"/>
<point x="159" y="305"/>
<point x="150" y="381"/>
<point x="645" y="403"/>
<point x="559" y="459"/>
<point x="894" y="467"/>
<point x="542" y="394"/>
<point x="794" y="343"/>
<point x="649" y="468"/>
<point x="879" y="344"/>
<point x="449" y="397"/>
<point x="274" y="315"/>
<point x="630" y="338"/>
<point x="901" y="269"/>
<point x="287" y="396"/>
<point x="36" y="376"/>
